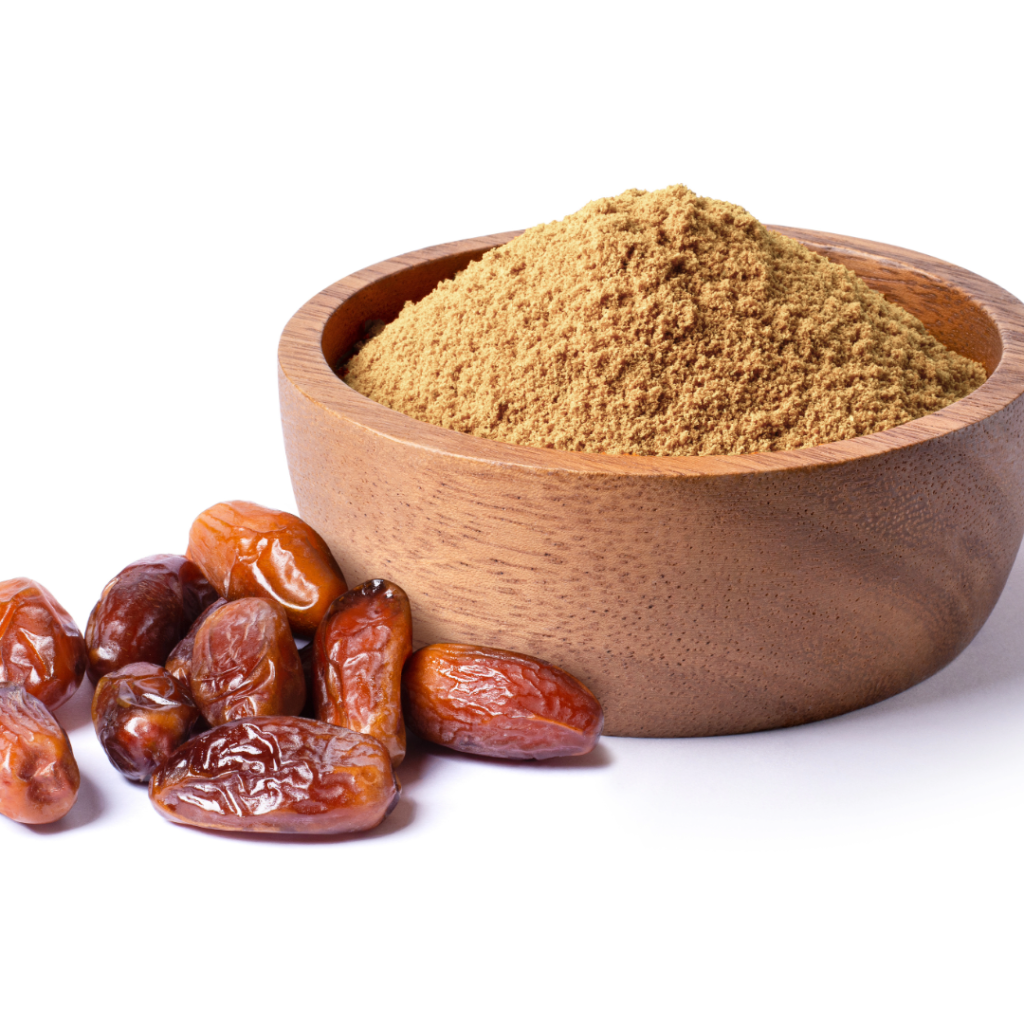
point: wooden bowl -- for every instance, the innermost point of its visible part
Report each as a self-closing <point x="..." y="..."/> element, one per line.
<point x="694" y="595"/>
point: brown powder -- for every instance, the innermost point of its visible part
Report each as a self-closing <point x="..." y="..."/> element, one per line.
<point x="659" y="323"/>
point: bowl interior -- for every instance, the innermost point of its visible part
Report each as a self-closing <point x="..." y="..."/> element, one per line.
<point x="382" y="300"/>
<point x="951" y="315"/>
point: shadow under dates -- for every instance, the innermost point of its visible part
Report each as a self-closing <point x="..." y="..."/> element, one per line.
<point x="401" y="817"/>
<point x="77" y="713"/>
<point x="422" y="754"/>
<point x="420" y="759"/>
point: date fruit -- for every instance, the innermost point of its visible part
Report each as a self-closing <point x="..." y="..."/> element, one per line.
<point x="482" y="700"/>
<point x="38" y="773"/>
<point x="247" y="550"/>
<point x="358" y="653"/>
<point x="179" y="661"/>
<point x="244" y="663"/>
<point x="277" y="774"/>
<point x="142" y="714"/>
<point x="40" y="645"/>
<point x="144" y="611"/>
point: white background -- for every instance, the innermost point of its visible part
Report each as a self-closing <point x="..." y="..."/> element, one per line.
<point x="175" y="181"/>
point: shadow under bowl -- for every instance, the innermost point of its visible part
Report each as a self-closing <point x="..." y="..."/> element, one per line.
<point x="695" y="595"/>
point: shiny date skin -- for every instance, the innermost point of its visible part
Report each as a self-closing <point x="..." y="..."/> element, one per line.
<point x="278" y="774"/>
<point x="144" y="611"/>
<point x="38" y="773"/>
<point x="179" y="661"/>
<point x="142" y="714"/>
<point x="358" y="653"/>
<point x="247" y="550"/>
<point x="482" y="700"/>
<point x="245" y="663"/>
<point x="40" y="645"/>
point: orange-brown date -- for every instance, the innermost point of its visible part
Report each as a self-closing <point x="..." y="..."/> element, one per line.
<point x="247" y="550"/>
<point x="142" y="714"/>
<point x="358" y="653"/>
<point x="38" y="773"/>
<point x="179" y="661"/>
<point x="144" y="611"/>
<point x="279" y="774"/>
<point x="40" y="645"/>
<point x="482" y="700"/>
<point x="244" y="663"/>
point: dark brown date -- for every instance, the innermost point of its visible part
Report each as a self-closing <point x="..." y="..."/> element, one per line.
<point x="360" y="647"/>
<point x="142" y="714"/>
<point x="244" y="663"/>
<point x="38" y="772"/>
<point x="144" y="611"/>
<point x="247" y="550"/>
<point x="40" y="645"/>
<point x="179" y="661"/>
<point x="482" y="700"/>
<point x="277" y="774"/>
<point x="308" y="673"/>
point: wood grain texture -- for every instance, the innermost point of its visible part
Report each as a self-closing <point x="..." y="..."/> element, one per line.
<point x="693" y="595"/>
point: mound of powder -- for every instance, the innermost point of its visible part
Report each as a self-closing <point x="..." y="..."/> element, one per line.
<point x="659" y="323"/>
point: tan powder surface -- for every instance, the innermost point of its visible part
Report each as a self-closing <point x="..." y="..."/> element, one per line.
<point x="659" y="323"/>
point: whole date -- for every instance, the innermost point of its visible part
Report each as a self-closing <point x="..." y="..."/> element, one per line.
<point x="482" y="700"/>
<point x="40" y="645"/>
<point x="38" y="773"/>
<point x="141" y="714"/>
<point x="247" y="550"/>
<point x="144" y="611"/>
<point x="358" y="653"/>
<point x="277" y="774"/>
<point x="245" y="663"/>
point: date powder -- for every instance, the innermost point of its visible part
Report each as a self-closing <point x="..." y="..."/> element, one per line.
<point x="659" y="323"/>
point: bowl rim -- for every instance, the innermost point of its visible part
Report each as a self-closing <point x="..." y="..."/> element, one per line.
<point x="302" y="363"/>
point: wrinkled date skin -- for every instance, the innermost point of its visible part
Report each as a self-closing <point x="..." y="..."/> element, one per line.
<point x="144" y="611"/>
<point x="40" y="645"/>
<point x="482" y="700"/>
<point x="358" y="653"/>
<point x="179" y="661"/>
<point x="244" y="663"/>
<point x="278" y="774"/>
<point x="38" y="773"/>
<point x="142" y="714"/>
<point x="247" y="550"/>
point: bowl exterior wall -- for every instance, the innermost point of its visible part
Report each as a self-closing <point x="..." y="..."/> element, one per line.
<point x="691" y="605"/>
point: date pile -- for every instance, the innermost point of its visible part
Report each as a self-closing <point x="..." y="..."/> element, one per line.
<point x="202" y="690"/>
